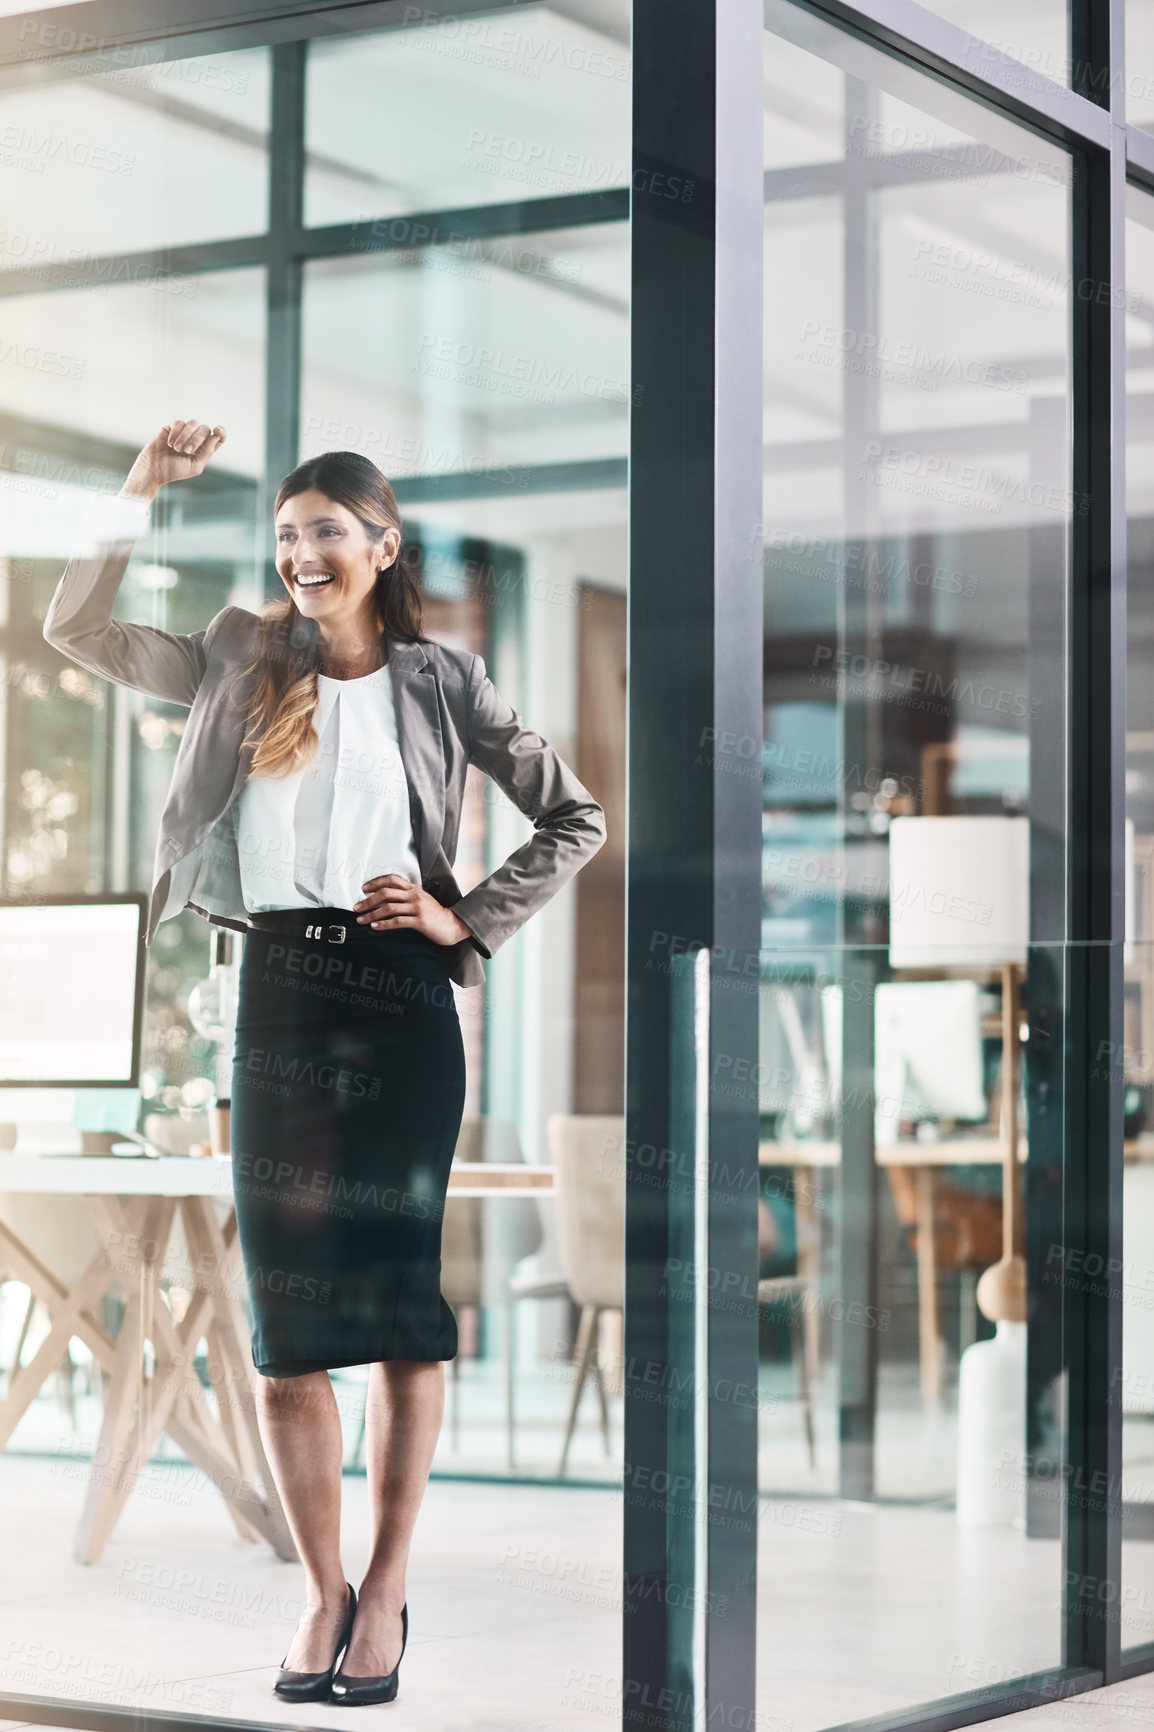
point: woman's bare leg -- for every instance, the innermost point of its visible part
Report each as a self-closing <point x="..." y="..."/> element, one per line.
<point x="301" y="1430"/>
<point x="406" y="1401"/>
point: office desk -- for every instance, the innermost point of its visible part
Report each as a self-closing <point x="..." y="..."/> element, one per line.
<point x="135" y="1203"/>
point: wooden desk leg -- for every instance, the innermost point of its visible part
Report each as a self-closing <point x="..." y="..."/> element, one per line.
<point x="929" y="1325"/>
<point x="809" y="1264"/>
<point x="129" y="1426"/>
<point x="231" y="1370"/>
<point x="173" y="1399"/>
<point x="609" y="1359"/>
<point x="208" y="1277"/>
<point x="239" y="1440"/>
<point x="110" y="1464"/>
<point x="181" y="1408"/>
<point x="192" y="1429"/>
<point x="69" y="1313"/>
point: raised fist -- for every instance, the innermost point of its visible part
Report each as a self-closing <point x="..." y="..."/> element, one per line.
<point x="180" y="450"/>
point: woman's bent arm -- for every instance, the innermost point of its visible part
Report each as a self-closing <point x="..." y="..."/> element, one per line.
<point x="79" y="622"/>
<point x="568" y="823"/>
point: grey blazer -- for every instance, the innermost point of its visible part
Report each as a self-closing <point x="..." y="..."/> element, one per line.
<point x="448" y="714"/>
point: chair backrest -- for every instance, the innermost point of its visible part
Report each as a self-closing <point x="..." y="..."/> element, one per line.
<point x="462" y="1254"/>
<point x="967" y="1223"/>
<point x="589" y="1153"/>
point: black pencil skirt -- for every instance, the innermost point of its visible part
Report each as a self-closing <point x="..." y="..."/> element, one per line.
<point x="348" y="1085"/>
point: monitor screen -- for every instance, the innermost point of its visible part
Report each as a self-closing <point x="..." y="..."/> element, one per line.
<point x="929" y="1049"/>
<point x="928" y="1058"/>
<point x="71" y="972"/>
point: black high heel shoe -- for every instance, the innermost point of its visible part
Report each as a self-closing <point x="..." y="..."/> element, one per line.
<point x="315" y="1686"/>
<point x="361" y="1692"/>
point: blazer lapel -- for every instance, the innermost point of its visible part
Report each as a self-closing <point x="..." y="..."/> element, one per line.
<point x="418" y="718"/>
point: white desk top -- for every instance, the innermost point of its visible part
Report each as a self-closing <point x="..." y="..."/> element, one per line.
<point x="209" y="1176"/>
<point x="117" y="1175"/>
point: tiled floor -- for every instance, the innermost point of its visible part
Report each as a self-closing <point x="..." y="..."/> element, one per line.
<point x="515" y="1589"/>
<point x="515" y="1599"/>
<point x="509" y="1589"/>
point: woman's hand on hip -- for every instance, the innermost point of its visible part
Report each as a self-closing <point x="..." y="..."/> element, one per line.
<point x="395" y="901"/>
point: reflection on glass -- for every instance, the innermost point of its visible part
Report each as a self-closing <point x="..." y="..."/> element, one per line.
<point x="80" y="812"/>
<point x="472" y="110"/>
<point x="142" y="156"/>
<point x="70" y="373"/>
<point x="1137" y="1057"/>
<point x="917" y="504"/>
<point x="494" y="354"/>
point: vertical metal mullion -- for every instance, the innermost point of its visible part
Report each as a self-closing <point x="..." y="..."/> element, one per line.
<point x="283" y="289"/>
<point x="693" y="883"/>
<point x="860" y="723"/>
<point x="1097" y="733"/>
<point x="733" y="1024"/>
<point x="669" y="844"/>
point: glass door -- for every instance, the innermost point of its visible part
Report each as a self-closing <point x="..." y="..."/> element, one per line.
<point x="918" y="503"/>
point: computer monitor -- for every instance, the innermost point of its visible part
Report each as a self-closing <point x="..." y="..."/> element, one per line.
<point x="928" y="1060"/>
<point x="930" y="1031"/>
<point x="71" y="991"/>
<point x="790" y="1076"/>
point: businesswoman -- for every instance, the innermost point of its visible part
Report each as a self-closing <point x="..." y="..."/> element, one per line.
<point x="315" y="804"/>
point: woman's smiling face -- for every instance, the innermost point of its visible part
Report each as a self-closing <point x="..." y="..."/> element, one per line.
<point x="325" y="558"/>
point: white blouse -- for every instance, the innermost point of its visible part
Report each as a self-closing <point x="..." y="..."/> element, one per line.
<point x="316" y="835"/>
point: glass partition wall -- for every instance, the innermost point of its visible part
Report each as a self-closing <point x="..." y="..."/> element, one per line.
<point x="909" y="1158"/>
<point x="762" y="383"/>
<point x="914" y="780"/>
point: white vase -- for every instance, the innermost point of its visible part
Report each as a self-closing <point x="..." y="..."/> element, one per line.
<point x="992" y="1430"/>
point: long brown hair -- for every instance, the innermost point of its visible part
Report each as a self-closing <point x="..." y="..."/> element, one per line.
<point x="288" y="657"/>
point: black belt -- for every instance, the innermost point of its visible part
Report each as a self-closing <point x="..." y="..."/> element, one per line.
<point x="332" y="924"/>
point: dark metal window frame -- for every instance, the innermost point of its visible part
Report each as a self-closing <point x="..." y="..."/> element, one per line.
<point x="689" y="883"/>
<point x="694" y="848"/>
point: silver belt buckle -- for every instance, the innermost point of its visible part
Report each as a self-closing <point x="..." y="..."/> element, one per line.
<point x="334" y="933"/>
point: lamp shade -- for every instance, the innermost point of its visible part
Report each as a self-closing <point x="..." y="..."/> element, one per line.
<point x="959" y="891"/>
